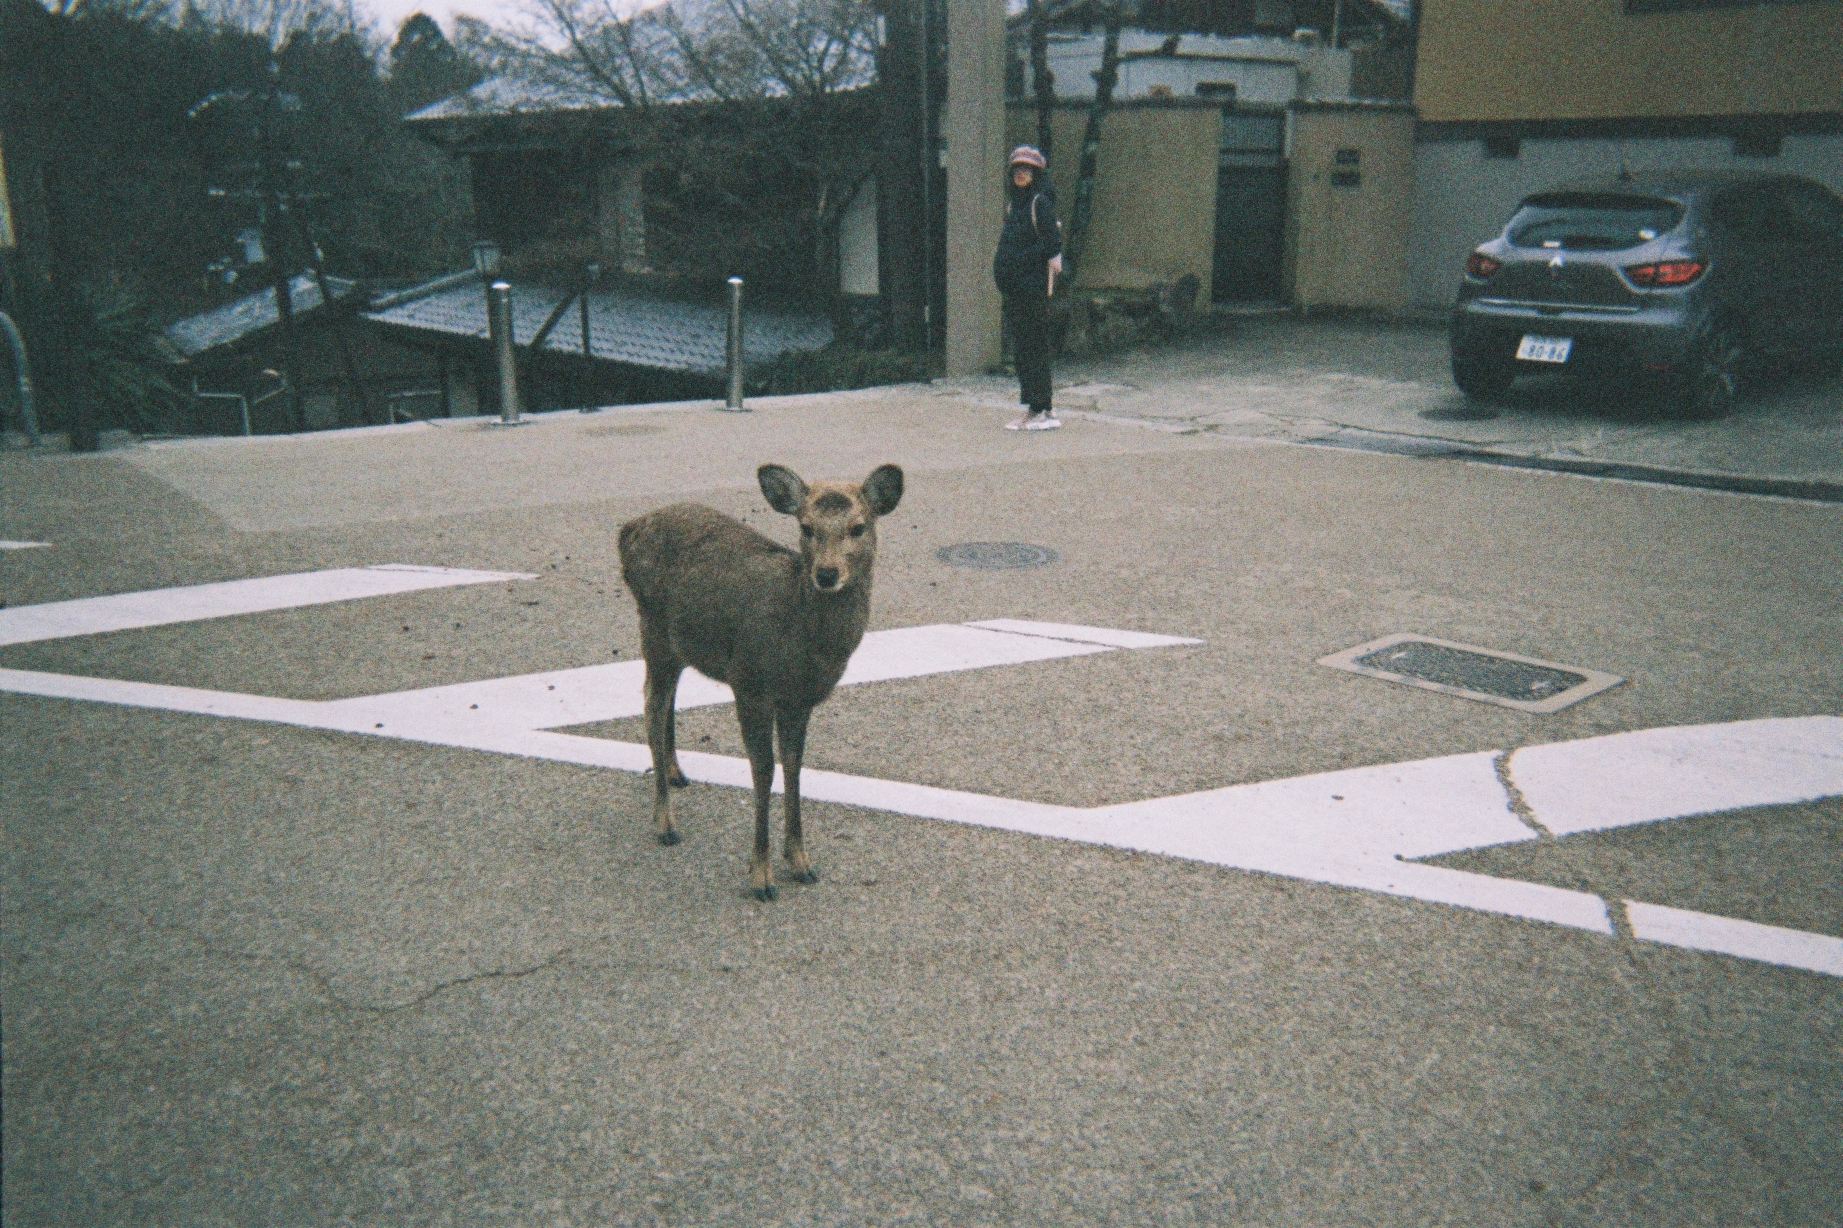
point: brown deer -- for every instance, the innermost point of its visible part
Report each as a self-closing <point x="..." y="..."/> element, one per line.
<point x="778" y="627"/>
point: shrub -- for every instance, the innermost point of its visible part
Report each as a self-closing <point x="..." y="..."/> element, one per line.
<point x="119" y="367"/>
<point x="836" y="368"/>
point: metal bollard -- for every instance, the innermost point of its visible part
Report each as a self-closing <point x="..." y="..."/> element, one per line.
<point x="734" y="355"/>
<point x="499" y="331"/>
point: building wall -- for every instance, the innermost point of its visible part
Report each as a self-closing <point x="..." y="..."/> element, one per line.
<point x="1155" y="193"/>
<point x="1465" y="196"/>
<point x="1350" y="205"/>
<point x="1583" y="59"/>
<point x="1264" y="70"/>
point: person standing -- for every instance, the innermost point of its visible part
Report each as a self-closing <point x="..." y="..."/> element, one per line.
<point x="1028" y="260"/>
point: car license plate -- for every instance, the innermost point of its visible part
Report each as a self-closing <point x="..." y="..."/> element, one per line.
<point x="1544" y="349"/>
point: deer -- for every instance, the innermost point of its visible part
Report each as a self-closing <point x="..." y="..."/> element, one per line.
<point x="776" y="625"/>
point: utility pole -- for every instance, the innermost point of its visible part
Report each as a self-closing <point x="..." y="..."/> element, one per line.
<point x="911" y="82"/>
<point x="279" y="221"/>
<point x="270" y="169"/>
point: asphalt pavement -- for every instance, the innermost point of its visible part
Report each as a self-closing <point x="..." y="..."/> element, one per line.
<point x="264" y="966"/>
<point x="1360" y="381"/>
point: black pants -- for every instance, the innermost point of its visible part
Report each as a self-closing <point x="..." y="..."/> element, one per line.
<point x="1030" y="342"/>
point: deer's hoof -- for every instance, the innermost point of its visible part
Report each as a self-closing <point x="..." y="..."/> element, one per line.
<point x="668" y="838"/>
<point x="808" y="876"/>
<point x="764" y="894"/>
<point x="678" y="780"/>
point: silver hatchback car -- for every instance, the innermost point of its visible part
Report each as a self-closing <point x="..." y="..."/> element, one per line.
<point x="1692" y="280"/>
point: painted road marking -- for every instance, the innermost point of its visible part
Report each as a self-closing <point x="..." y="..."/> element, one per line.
<point x="160" y="607"/>
<point x="12" y="545"/>
<point x="1353" y="828"/>
<point x="1601" y="783"/>
<point x="1732" y="936"/>
<point x="610" y="692"/>
<point x="1363" y="828"/>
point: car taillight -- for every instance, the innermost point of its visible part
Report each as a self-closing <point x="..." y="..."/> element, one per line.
<point x="1665" y="273"/>
<point x="1481" y="266"/>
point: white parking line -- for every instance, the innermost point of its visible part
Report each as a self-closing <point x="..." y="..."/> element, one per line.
<point x="1364" y="828"/>
<point x="610" y="692"/>
<point x="159" y="607"/>
<point x="1732" y="936"/>
<point x="1628" y="778"/>
<point x="13" y="545"/>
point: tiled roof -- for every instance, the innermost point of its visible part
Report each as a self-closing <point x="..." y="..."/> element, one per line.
<point x="514" y="96"/>
<point x="251" y="313"/>
<point x="624" y="327"/>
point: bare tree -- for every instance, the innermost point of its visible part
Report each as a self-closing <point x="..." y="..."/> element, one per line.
<point x="721" y="50"/>
<point x="786" y="56"/>
<point x="584" y="49"/>
<point x="1042" y="80"/>
<point x="277" y="21"/>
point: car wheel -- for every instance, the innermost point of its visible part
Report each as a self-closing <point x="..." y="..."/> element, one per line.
<point x="1483" y="379"/>
<point x="1712" y="379"/>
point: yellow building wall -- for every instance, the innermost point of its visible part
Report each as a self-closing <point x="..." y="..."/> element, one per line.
<point x="1155" y="191"/>
<point x="1490" y="60"/>
<point x="1347" y="244"/>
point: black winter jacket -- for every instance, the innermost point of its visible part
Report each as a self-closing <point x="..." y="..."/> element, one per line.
<point x="1030" y="239"/>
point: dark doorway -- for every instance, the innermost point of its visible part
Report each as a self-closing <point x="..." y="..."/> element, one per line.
<point x="1250" y="208"/>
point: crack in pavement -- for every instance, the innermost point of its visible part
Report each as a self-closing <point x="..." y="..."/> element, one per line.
<point x="133" y="920"/>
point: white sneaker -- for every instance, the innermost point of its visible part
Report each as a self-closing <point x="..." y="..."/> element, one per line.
<point x="1044" y="422"/>
<point x="1022" y="424"/>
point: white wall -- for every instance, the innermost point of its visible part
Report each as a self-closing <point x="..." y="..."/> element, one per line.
<point x="1462" y="198"/>
<point x="1264" y="71"/>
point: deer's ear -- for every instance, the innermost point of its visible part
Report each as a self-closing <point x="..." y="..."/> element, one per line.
<point x="782" y="487"/>
<point x="883" y="489"/>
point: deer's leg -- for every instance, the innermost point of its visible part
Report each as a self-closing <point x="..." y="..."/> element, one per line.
<point x="664" y="664"/>
<point x="661" y="694"/>
<point x="757" y="718"/>
<point x="790" y="727"/>
<point x="675" y="775"/>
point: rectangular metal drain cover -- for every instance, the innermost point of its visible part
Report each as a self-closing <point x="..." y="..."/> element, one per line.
<point x="1470" y="672"/>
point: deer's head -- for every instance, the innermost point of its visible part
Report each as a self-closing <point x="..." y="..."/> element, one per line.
<point x="838" y="520"/>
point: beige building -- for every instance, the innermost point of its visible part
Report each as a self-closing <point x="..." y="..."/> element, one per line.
<point x="1155" y="196"/>
<point x="1515" y="98"/>
<point x="1544" y="61"/>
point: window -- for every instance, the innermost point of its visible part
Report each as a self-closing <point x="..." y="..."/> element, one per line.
<point x="1586" y="221"/>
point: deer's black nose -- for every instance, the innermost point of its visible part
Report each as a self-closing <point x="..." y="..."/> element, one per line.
<point x="825" y="577"/>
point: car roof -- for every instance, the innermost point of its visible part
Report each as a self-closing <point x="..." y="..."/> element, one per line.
<point x="1667" y="183"/>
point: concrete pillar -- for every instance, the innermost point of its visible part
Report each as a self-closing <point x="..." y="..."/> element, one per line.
<point x="620" y="214"/>
<point x="973" y="126"/>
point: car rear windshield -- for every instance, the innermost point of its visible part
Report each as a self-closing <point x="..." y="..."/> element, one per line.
<point x="1592" y="221"/>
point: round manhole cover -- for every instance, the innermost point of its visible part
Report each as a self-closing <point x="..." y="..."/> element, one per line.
<point x="996" y="556"/>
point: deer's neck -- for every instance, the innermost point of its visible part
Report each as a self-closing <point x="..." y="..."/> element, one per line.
<point x="833" y="623"/>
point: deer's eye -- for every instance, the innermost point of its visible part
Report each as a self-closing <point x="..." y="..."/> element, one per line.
<point x="857" y="530"/>
<point x="806" y="530"/>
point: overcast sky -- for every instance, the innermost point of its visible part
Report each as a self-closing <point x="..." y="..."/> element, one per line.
<point x="391" y="14"/>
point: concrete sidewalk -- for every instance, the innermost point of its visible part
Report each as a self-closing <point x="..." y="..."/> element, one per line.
<point x="257" y="970"/>
<point x="1359" y="382"/>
